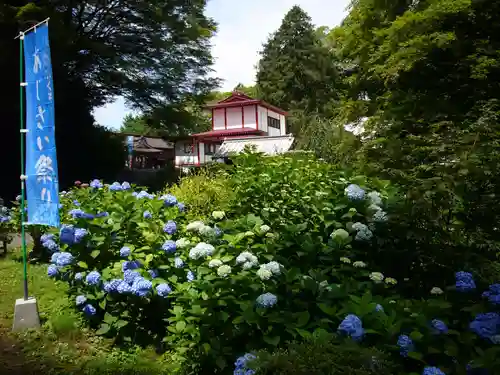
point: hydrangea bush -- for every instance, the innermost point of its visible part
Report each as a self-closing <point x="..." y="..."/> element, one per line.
<point x="287" y="261"/>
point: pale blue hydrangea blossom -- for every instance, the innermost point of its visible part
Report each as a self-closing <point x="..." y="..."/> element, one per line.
<point x="163" y="290"/>
<point x="80" y="300"/>
<point x="354" y="192"/>
<point x="178" y="262"/>
<point x="266" y="300"/>
<point x="169" y="246"/>
<point x="125" y="251"/>
<point x="247" y="259"/>
<point x="170" y="227"/>
<point x="93" y="278"/>
<point x="190" y="276"/>
<point x="64" y="259"/>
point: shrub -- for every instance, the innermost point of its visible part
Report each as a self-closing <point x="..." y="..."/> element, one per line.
<point x="322" y="354"/>
<point x="204" y="191"/>
<point x="290" y="259"/>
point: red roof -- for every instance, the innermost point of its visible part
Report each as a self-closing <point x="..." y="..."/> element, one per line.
<point x="228" y="132"/>
<point x="238" y="99"/>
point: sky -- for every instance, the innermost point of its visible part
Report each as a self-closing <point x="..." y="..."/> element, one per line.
<point x="243" y="27"/>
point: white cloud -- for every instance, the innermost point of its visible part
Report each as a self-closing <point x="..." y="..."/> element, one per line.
<point x="244" y="27"/>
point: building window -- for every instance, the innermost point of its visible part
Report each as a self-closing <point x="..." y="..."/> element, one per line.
<point x="210" y="148"/>
<point x="273" y="122"/>
<point x="188" y="148"/>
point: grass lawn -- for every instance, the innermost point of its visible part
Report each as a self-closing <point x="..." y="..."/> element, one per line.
<point x="61" y="346"/>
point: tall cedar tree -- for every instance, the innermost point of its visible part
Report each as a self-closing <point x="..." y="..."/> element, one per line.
<point x="296" y="71"/>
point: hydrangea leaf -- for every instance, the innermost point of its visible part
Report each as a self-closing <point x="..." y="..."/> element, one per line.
<point x="103" y="329"/>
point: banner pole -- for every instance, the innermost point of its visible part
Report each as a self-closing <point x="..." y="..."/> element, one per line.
<point x="23" y="177"/>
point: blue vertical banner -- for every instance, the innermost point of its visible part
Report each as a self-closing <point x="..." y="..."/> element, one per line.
<point x="42" y="183"/>
<point x="130" y="147"/>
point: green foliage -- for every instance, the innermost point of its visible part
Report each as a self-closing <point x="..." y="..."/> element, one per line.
<point x="204" y="190"/>
<point x="296" y="71"/>
<point x="321" y="354"/>
<point x="137" y="124"/>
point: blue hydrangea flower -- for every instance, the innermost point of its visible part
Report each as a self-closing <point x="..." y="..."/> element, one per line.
<point x="78" y="276"/>
<point x="493" y="294"/>
<point x="406" y="345"/>
<point x="464" y="282"/>
<point x="96" y="184"/>
<point x="218" y="231"/>
<point x="112" y="285"/>
<point x="169" y="246"/>
<point x="153" y="273"/>
<point x="241" y="365"/>
<point x="486" y="325"/>
<point x="432" y="371"/>
<point x="135" y="194"/>
<point x="125" y="185"/>
<point x="352" y="327"/>
<point x="163" y="290"/>
<point x="80" y="233"/>
<point x="141" y="287"/>
<point x="147" y="215"/>
<point x="76" y="203"/>
<point x="52" y="271"/>
<point x="179" y="263"/>
<point x="46" y="237"/>
<point x="181" y="206"/>
<point x="129" y="276"/>
<point x="76" y="213"/>
<point x="51" y="245"/>
<point x="190" y="276"/>
<point x="123" y="288"/>
<point x="379" y="308"/>
<point x="67" y="235"/>
<point x="93" y="278"/>
<point x="130" y="265"/>
<point x="64" y="259"/>
<point x="53" y="258"/>
<point x="144" y="194"/>
<point x="439" y="327"/>
<point x="115" y="186"/>
<point x="354" y="193"/>
<point x="89" y="310"/>
<point x="80" y="300"/>
<point x="102" y="214"/>
<point x="169" y="200"/>
<point x="125" y="251"/>
<point x="266" y="300"/>
<point x="170" y="227"/>
<point x="88" y="216"/>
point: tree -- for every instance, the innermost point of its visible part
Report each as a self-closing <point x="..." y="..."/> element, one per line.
<point x="154" y="53"/>
<point x="296" y="71"/>
<point x="136" y="124"/>
<point x="427" y="75"/>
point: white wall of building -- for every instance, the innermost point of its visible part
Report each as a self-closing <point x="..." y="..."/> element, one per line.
<point x="249" y="116"/>
<point x="233" y="117"/>
<point x="185" y="158"/>
<point x="219" y="120"/>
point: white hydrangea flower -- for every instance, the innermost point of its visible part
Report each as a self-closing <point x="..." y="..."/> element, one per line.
<point x="265" y="228"/>
<point x="245" y="256"/>
<point x="249" y="265"/>
<point x="224" y="270"/>
<point x="264" y="273"/>
<point x="206" y="231"/>
<point x="391" y="281"/>
<point x="195" y="226"/>
<point x="375" y="198"/>
<point x="182" y="243"/>
<point x="380" y="216"/>
<point x="392" y="302"/>
<point x="359" y="264"/>
<point x="374" y="208"/>
<point x="378" y="277"/>
<point x="218" y="215"/>
<point x="274" y="267"/>
<point x="201" y="250"/>
<point x="345" y="260"/>
<point x="359" y="227"/>
<point x="436" y="291"/>
<point x="215" y="263"/>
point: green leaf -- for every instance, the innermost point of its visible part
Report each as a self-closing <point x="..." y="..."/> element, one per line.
<point x="121" y="323"/>
<point x="415" y="355"/>
<point x="108" y="318"/>
<point x="83" y="265"/>
<point x="416" y="336"/>
<point x="180" y="326"/>
<point x="272" y="340"/>
<point x="94" y="254"/>
<point x="102" y="304"/>
<point x="103" y="329"/>
<point x="303" y="318"/>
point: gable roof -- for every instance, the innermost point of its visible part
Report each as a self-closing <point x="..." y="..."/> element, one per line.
<point x="239" y="99"/>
